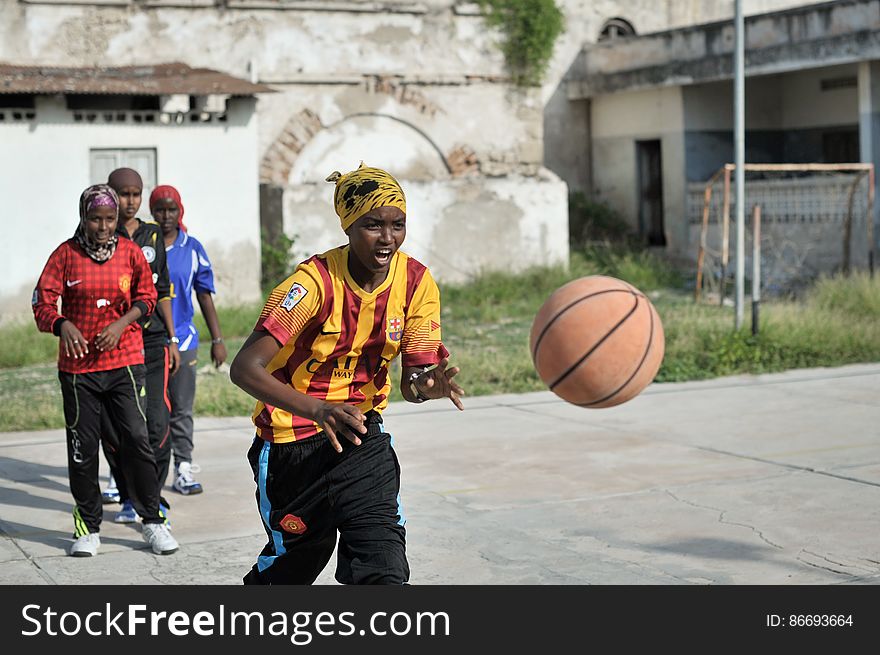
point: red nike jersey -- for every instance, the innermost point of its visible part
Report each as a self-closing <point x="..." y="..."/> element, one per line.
<point x="93" y="295"/>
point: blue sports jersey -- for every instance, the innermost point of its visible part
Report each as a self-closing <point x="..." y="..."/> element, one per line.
<point x="189" y="270"/>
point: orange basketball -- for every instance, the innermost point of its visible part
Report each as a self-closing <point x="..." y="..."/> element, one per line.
<point x="597" y="342"/>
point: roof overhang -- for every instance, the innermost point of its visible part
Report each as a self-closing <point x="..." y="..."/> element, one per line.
<point x="811" y="36"/>
<point x="148" y="80"/>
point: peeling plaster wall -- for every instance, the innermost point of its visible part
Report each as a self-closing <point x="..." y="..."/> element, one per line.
<point x="448" y="117"/>
<point x="566" y="123"/>
<point x="433" y="72"/>
<point x="457" y="227"/>
<point x="420" y="92"/>
<point x="292" y="50"/>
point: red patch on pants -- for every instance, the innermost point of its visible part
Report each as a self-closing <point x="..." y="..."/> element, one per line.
<point x="293" y="524"/>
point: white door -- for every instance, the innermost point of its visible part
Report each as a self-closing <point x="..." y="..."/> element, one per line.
<point x="103" y="161"/>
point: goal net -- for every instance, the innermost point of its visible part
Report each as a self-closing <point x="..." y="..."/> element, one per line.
<point x="815" y="218"/>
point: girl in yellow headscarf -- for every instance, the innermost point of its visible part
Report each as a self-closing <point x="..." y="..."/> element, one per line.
<point x="318" y="364"/>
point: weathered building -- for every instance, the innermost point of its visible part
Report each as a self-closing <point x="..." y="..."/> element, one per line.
<point x="63" y="128"/>
<point x="659" y="111"/>
<point x="417" y="86"/>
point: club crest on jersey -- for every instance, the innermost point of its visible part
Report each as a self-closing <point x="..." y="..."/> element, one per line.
<point x="297" y="292"/>
<point x="293" y="524"/>
<point x="149" y="254"/>
<point x="124" y="283"/>
<point x="395" y="329"/>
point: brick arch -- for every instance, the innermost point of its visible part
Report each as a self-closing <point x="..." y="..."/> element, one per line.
<point x="279" y="160"/>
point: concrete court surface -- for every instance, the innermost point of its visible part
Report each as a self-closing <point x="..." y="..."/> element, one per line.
<point x="771" y="479"/>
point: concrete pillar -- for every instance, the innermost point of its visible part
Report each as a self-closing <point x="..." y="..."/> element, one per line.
<point x="869" y="124"/>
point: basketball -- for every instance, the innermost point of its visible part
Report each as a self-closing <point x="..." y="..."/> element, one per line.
<point x="597" y="342"/>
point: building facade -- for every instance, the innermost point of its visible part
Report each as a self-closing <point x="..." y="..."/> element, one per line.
<point x="418" y="87"/>
<point x="64" y="128"/>
<point x="659" y="111"/>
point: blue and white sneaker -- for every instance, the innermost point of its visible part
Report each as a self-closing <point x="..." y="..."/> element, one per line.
<point x="110" y="495"/>
<point x="183" y="481"/>
<point x="126" y="514"/>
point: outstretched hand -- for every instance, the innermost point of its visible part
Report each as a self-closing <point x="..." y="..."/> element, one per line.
<point x="438" y="383"/>
<point x="347" y="419"/>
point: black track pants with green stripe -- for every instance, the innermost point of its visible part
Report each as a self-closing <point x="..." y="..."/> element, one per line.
<point x="117" y="392"/>
<point x="158" y="411"/>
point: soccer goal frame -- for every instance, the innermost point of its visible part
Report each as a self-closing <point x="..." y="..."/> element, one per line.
<point x="861" y="171"/>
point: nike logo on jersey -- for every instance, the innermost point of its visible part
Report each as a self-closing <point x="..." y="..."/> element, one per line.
<point x="73" y="283"/>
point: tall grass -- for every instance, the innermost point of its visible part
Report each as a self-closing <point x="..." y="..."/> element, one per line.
<point x="236" y="321"/>
<point x="21" y="344"/>
<point x="856" y="295"/>
<point x="486" y="327"/>
<point x="837" y="322"/>
<point x="497" y="295"/>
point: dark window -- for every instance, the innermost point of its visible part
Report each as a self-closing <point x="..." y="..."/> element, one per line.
<point x="616" y="28"/>
<point x="650" y="179"/>
<point x="838" y="83"/>
<point x="17" y="101"/>
<point x="77" y="101"/>
<point x="841" y="146"/>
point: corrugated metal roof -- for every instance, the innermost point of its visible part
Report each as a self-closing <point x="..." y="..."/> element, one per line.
<point x="151" y="80"/>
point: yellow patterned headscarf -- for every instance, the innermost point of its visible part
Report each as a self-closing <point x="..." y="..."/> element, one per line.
<point x="363" y="190"/>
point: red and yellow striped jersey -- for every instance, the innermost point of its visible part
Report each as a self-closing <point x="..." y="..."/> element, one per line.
<point x="338" y="340"/>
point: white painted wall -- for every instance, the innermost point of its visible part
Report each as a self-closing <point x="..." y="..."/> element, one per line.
<point x="457" y="227"/>
<point x="44" y="167"/>
<point x="381" y="141"/>
<point x="618" y="121"/>
<point x="804" y="104"/>
<point x="788" y="101"/>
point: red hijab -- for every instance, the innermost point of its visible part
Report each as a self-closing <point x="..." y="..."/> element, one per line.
<point x="164" y="191"/>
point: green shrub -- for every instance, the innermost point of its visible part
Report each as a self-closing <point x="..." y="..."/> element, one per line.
<point x="590" y="221"/>
<point x="276" y="260"/>
<point x="857" y="294"/>
<point x="530" y="29"/>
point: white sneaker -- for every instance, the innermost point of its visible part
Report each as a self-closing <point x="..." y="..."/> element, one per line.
<point x="160" y="539"/>
<point x="183" y="481"/>
<point x="86" y="545"/>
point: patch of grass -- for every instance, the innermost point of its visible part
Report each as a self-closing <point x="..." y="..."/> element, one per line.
<point x="21" y="344"/>
<point x="235" y="321"/>
<point x="641" y="268"/>
<point x="700" y="341"/>
<point x="215" y="393"/>
<point x="31" y="398"/>
<point x="855" y="295"/>
<point x="486" y="326"/>
<point x="590" y="221"/>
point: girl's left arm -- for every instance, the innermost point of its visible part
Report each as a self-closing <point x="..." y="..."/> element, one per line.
<point x="218" y="348"/>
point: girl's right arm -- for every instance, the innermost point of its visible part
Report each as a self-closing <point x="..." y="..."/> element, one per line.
<point x="248" y="371"/>
<point x="49" y="288"/>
